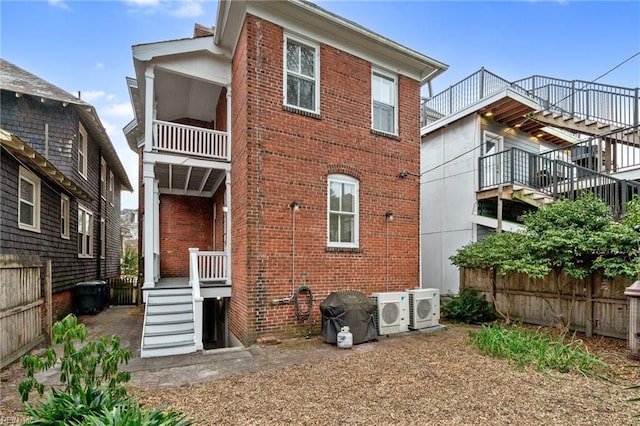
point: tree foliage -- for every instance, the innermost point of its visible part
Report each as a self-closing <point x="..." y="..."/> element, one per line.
<point x="577" y="237"/>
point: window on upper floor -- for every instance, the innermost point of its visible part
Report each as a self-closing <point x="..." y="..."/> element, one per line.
<point x="103" y="178"/>
<point x="83" y="143"/>
<point x="384" y="95"/>
<point x="112" y="193"/>
<point x="65" y="207"/>
<point x="85" y="233"/>
<point x="301" y="74"/>
<point x="103" y="239"/>
<point x="342" y="209"/>
<point x="28" y="200"/>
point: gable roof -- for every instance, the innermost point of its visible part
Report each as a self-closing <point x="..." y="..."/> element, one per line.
<point x="20" y="81"/>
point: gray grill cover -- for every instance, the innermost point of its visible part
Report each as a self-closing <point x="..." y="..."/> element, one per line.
<point x="350" y="308"/>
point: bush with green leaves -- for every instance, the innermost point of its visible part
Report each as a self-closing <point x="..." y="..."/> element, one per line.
<point x="129" y="262"/>
<point x="91" y="390"/>
<point x="577" y="237"/>
<point x="542" y="350"/>
<point x="469" y="308"/>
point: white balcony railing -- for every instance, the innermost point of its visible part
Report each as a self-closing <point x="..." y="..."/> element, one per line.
<point x="190" y="140"/>
<point x="208" y="266"/>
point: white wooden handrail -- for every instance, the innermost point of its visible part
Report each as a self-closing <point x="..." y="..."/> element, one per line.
<point x="190" y="140"/>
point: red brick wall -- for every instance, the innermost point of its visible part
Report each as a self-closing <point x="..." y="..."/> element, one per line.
<point x="61" y="304"/>
<point x="221" y="111"/>
<point x="279" y="156"/>
<point x="184" y="222"/>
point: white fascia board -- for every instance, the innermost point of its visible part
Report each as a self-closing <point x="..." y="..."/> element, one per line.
<point x="147" y="52"/>
<point x="475" y="107"/>
<point x="317" y="24"/>
<point x="490" y="222"/>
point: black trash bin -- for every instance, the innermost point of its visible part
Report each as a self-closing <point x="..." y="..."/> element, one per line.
<point x="90" y="297"/>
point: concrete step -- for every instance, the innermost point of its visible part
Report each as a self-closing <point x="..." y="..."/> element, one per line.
<point x="176" y="348"/>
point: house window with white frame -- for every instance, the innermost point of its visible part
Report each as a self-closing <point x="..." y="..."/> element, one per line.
<point x="343" y="206"/>
<point x="28" y="201"/>
<point x="111" y="191"/>
<point x="103" y="178"/>
<point x="83" y="143"/>
<point x="65" y="208"/>
<point x="302" y="74"/>
<point x="384" y="95"/>
<point x="85" y="233"/>
<point x="103" y="239"/>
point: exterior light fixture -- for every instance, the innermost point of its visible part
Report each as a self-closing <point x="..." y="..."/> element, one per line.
<point x="539" y="135"/>
<point x="225" y="209"/>
<point x="389" y="216"/>
<point x="295" y="205"/>
<point x="488" y="113"/>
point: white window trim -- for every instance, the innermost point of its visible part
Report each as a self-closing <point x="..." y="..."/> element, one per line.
<point x="87" y="252"/>
<point x="316" y="47"/>
<point x="27" y="175"/>
<point x="82" y="168"/>
<point x="111" y="188"/>
<point x="379" y="72"/>
<point x="103" y="238"/>
<point x="103" y="178"/>
<point x="65" y="212"/>
<point x="356" y="223"/>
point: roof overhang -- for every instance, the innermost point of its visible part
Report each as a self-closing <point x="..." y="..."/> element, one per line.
<point x="39" y="164"/>
<point x="308" y="19"/>
<point x="509" y="108"/>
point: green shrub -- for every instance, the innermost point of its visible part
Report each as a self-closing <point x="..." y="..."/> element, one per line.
<point x="544" y="351"/>
<point x="92" y="389"/>
<point x="468" y="308"/>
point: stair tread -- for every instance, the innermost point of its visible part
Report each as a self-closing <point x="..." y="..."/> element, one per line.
<point x="168" y="344"/>
<point x="168" y="333"/>
<point x="180" y="311"/>
<point x="168" y="303"/>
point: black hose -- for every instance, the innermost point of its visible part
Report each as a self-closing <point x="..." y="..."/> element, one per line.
<point x="303" y="315"/>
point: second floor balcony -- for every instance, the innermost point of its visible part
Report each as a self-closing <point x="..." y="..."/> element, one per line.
<point x="191" y="141"/>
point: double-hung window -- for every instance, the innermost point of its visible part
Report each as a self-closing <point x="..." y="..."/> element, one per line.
<point x="342" y="200"/>
<point x="28" y="201"/>
<point x="302" y="74"/>
<point x="384" y="95"/>
<point x="103" y="239"/>
<point x="65" y="206"/>
<point x="111" y="189"/>
<point x="85" y="233"/>
<point x="103" y="178"/>
<point x="83" y="143"/>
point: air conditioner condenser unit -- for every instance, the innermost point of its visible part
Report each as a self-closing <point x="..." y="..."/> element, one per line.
<point x="424" y="308"/>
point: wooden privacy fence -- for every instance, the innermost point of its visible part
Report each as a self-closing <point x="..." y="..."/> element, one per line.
<point x="25" y="299"/>
<point x="594" y="305"/>
<point x="123" y="291"/>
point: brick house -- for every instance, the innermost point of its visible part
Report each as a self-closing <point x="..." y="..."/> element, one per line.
<point x="278" y="157"/>
<point x="61" y="182"/>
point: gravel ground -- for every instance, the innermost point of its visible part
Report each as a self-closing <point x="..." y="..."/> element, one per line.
<point x="438" y="379"/>
<point x="419" y="379"/>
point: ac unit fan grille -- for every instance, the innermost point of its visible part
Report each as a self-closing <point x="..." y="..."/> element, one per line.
<point x="390" y="313"/>
<point x="424" y="308"/>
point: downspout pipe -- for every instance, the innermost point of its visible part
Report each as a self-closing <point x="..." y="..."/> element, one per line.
<point x="295" y="206"/>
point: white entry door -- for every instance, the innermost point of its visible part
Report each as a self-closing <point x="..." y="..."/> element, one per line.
<point x="492" y="165"/>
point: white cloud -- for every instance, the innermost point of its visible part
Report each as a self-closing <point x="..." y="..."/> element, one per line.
<point x="59" y="4"/>
<point x="122" y="110"/>
<point x="99" y="66"/>
<point x="178" y="8"/>
<point x="188" y="9"/>
<point x="92" y="95"/>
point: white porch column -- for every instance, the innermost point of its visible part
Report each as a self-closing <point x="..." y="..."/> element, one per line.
<point x="148" y="227"/>
<point x="227" y="247"/>
<point x="149" y="107"/>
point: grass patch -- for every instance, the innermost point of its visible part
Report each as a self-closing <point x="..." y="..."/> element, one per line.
<point x="544" y="351"/>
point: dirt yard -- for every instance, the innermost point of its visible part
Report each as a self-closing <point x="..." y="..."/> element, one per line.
<point x="427" y="379"/>
<point x="420" y="379"/>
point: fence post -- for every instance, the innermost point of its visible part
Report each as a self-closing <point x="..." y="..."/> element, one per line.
<point x="48" y="302"/>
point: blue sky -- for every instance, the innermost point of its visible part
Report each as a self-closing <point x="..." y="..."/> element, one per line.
<point x="86" y="45"/>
